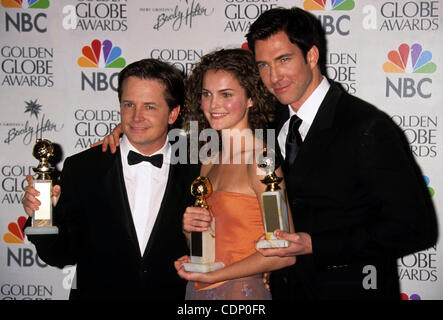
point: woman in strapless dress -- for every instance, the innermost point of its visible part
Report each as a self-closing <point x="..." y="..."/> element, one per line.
<point x="224" y="92"/>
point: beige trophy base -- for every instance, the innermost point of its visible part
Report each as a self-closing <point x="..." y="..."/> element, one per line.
<point x="203" y="267"/>
<point x="41" y="230"/>
<point x="272" y="243"/>
<point x="42" y="218"/>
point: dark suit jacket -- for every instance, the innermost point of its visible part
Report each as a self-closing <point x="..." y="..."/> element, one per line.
<point x="97" y="233"/>
<point x="357" y="190"/>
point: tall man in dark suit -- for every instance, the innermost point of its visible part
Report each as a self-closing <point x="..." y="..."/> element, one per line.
<point x="357" y="196"/>
<point x="119" y="215"/>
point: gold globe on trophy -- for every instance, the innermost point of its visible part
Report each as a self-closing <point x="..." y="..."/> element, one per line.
<point x="203" y="243"/>
<point x="201" y="188"/>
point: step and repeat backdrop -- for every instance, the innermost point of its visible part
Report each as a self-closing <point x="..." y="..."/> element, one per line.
<point x="59" y="62"/>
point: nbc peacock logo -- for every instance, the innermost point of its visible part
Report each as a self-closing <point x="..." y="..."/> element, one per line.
<point x="405" y="296"/>
<point x="430" y="188"/>
<point x="329" y="5"/>
<point x="31" y="4"/>
<point x="15" y="233"/>
<point x="409" y="59"/>
<point x="101" y="55"/>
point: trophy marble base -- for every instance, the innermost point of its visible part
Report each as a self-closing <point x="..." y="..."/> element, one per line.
<point x="203" y="267"/>
<point x="41" y="230"/>
<point x="272" y="243"/>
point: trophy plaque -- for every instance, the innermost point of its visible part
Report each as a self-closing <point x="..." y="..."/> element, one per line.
<point x="273" y="203"/>
<point x="42" y="218"/>
<point x="202" y="243"/>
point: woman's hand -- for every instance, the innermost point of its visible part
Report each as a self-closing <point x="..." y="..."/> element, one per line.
<point x="112" y="140"/>
<point x="196" y="219"/>
<point x="191" y="276"/>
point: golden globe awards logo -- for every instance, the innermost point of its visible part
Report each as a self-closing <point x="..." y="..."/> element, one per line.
<point x="181" y="58"/>
<point x="13" y="178"/>
<point x="409" y="16"/>
<point x="341" y="67"/>
<point x="96" y="16"/>
<point x="421" y="132"/>
<point x="92" y="125"/>
<point x="400" y="15"/>
<point x="419" y="266"/>
<point x="24" y="66"/>
<point x="240" y="14"/>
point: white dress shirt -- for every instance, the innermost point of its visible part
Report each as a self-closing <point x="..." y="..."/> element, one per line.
<point x="306" y="113"/>
<point x="145" y="186"/>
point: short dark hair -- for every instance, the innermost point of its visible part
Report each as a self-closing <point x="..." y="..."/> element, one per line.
<point x="302" y="28"/>
<point x="152" y="69"/>
<point x="241" y="65"/>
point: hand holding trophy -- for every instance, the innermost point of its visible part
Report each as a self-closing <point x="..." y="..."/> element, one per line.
<point x="273" y="203"/>
<point x="202" y="243"/>
<point x="42" y="218"/>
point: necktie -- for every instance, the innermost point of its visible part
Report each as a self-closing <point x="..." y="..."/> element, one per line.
<point x="134" y="158"/>
<point x="293" y="140"/>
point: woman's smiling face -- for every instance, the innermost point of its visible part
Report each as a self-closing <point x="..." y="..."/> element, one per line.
<point x="224" y="101"/>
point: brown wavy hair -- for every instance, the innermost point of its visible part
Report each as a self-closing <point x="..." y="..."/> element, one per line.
<point x="241" y="64"/>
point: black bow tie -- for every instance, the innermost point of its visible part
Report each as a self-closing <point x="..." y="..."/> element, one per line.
<point x="134" y="158"/>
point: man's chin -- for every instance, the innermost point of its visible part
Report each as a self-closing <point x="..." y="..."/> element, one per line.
<point x="282" y="98"/>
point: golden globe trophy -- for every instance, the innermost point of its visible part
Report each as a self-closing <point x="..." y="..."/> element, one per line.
<point x="203" y="243"/>
<point x="273" y="203"/>
<point x="42" y="218"/>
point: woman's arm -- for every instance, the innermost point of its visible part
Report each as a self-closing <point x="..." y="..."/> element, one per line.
<point x="251" y="265"/>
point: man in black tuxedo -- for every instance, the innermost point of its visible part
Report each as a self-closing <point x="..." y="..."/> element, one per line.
<point x="119" y="215"/>
<point x="357" y="196"/>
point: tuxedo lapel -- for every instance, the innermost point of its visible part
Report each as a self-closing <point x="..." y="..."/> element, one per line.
<point x="165" y="207"/>
<point x="282" y="115"/>
<point x="320" y="134"/>
<point x="115" y="187"/>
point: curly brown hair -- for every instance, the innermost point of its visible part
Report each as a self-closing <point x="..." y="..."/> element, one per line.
<point x="241" y="64"/>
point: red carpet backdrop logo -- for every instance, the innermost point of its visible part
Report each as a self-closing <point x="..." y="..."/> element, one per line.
<point x="98" y="15"/>
<point x="31" y="4"/>
<point x="404" y="16"/>
<point x="239" y="15"/>
<point x="101" y="55"/>
<point x="336" y="5"/>
<point x="430" y="188"/>
<point x="413" y="296"/>
<point x="334" y="17"/>
<point x="409" y="60"/>
<point x="15" y="233"/>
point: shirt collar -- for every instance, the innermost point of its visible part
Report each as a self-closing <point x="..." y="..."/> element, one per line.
<point x="309" y="108"/>
<point x="126" y="146"/>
